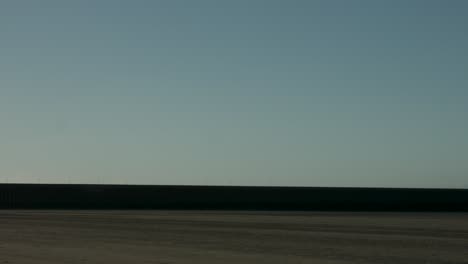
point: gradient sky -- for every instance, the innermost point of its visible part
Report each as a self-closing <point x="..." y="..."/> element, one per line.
<point x="297" y="93"/>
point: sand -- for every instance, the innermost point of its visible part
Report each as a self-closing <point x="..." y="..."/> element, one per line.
<point x="231" y="237"/>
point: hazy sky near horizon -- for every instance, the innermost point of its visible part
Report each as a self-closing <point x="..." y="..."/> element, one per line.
<point x="297" y="93"/>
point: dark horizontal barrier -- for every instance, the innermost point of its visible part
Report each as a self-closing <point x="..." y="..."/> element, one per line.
<point x="83" y="196"/>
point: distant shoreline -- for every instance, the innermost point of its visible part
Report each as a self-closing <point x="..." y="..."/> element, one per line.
<point x="93" y="196"/>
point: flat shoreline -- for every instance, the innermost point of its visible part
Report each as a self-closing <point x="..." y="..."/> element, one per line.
<point x="158" y="236"/>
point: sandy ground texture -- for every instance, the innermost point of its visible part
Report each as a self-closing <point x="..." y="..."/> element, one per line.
<point x="167" y="237"/>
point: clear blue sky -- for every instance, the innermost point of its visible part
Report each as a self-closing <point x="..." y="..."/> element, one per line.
<point x="301" y="93"/>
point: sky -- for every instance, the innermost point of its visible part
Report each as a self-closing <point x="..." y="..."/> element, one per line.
<point x="246" y="92"/>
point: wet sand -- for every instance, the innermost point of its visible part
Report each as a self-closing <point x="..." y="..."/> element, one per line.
<point x="231" y="237"/>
